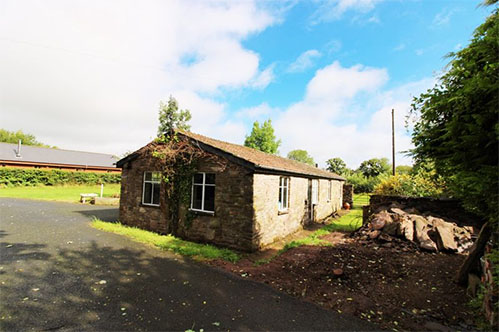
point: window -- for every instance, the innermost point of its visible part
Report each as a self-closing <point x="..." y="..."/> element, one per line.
<point x="315" y="191"/>
<point x="203" y="192"/>
<point x="329" y="189"/>
<point x="283" y="193"/>
<point x="150" y="190"/>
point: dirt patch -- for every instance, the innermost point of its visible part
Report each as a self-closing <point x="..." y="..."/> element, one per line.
<point x="394" y="288"/>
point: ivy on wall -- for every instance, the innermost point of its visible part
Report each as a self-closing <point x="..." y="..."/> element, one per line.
<point x="179" y="160"/>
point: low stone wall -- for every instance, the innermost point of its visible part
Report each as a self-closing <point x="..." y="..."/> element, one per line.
<point x="348" y="194"/>
<point x="449" y="208"/>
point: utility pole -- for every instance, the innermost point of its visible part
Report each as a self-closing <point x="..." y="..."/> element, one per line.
<point x="393" y="143"/>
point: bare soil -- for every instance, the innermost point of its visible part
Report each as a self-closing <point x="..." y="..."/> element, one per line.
<point x="395" y="286"/>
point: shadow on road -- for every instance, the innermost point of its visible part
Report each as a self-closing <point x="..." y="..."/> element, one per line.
<point x="109" y="215"/>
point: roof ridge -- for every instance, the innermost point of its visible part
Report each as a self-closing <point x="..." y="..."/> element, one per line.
<point x="206" y="140"/>
<point x="56" y="149"/>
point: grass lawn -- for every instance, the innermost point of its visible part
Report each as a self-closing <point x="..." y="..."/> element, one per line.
<point x="168" y="242"/>
<point x="66" y="193"/>
<point x="347" y="223"/>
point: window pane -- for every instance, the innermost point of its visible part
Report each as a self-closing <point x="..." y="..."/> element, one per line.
<point x="315" y="191"/>
<point x="155" y="197"/>
<point x="198" y="178"/>
<point x="147" y="193"/>
<point x="210" y="178"/>
<point x="148" y="176"/>
<point x="280" y="198"/>
<point x="197" y="197"/>
<point x="209" y="198"/>
<point x="156" y="176"/>
<point x="285" y="198"/>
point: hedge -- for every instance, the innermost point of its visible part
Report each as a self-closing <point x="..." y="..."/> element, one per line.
<point x="31" y="177"/>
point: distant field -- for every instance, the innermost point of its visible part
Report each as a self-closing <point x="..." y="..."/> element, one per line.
<point x="66" y="193"/>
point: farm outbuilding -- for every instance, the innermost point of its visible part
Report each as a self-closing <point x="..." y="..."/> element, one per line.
<point x="239" y="197"/>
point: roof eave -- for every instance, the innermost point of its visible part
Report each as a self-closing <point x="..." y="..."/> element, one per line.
<point x="276" y="171"/>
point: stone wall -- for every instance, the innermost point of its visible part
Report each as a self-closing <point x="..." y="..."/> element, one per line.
<point x="132" y="211"/>
<point x="348" y="194"/>
<point x="271" y="224"/>
<point x="230" y="225"/>
<point x="327" y="207"/>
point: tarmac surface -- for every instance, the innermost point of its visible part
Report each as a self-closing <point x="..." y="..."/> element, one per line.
<point x="59" y="273"/>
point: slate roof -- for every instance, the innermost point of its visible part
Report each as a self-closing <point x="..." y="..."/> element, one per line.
<point x="34" y="154"/>
<point x="257" y="160"/>
<point x="261" y="160"/>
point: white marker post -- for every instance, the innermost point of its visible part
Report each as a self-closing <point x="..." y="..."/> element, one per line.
<point x="101" y="189"/>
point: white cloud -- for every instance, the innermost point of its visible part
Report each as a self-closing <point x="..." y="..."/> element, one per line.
<point x="335" y="82"/>
<point x="89" y="74"/>
<point x="324" y="124"/>
<point x="443" y="17"/>
<point x="304" y="61"/>
<point x="333" y="46"/>
<point x="264" y="78"/>
<point x="399" y="47"/>
<point x="257" y="112"/>
<point x="333" y="9"/>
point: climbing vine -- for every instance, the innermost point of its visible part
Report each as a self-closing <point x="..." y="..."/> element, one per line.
<point x="178" y="159"/>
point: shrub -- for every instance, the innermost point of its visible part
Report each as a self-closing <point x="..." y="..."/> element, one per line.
<point x="362" y="184"/>
<point x="33" y="177"/>
<point x="415" y="185"/>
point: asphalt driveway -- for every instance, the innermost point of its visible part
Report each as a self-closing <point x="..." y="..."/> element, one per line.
<point x="57" y="272"/>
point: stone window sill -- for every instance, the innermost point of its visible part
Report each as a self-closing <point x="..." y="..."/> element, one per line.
<point x="281" y="212"/>
<point x="203" y="213"/>
<point x="150" y="205"/>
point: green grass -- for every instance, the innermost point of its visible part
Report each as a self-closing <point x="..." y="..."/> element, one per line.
<point x="347" y="223"/>
<point x="65" y="193"/>
<point x="168" y="242"/>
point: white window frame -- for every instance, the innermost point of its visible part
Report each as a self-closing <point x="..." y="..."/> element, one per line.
<point x="204" y="185"/>
<point x="153" y="182"/>
<point x="329" y="191"/>
<point x="315" y="191"/>
<point x="283" y="187"/>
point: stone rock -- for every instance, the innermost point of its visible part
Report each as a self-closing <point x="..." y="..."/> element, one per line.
<point x="381" y="219"/>
<point x="412" y="211"/>
<point x="446" y="236"/>
<point x="392" y="228"/>
<point x="398" y="211"/>
<point x="338" y="272"/>
<point x="406" y="228"/>
<point x="374" y="234"/>
<point x="421" y="226"/>
<point x="385" y="237"/>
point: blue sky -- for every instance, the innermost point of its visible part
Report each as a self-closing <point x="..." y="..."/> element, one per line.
<point x="89" y="75"/>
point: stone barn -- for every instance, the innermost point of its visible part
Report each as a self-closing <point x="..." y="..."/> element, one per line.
<point x="239" y="197"/>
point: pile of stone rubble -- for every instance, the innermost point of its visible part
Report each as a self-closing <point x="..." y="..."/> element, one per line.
<point x="425" y="231"/>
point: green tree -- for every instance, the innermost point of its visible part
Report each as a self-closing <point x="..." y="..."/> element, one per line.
<point x="301" y="156"/>
<point x="403" y="169"/>
<point x="262" y="138"/>
<point x="14" y="137"/>
<point x="457" y="124"/>
<point x="171" y="117"/>
<point x="374" y="167"/>
<point x="336" y="165"/>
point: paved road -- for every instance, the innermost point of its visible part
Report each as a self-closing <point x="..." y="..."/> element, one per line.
<point x="57" y="272"/>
